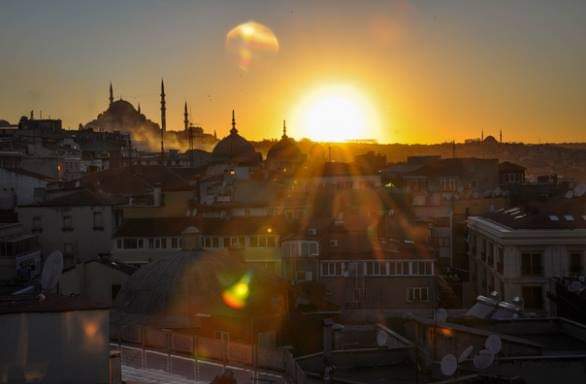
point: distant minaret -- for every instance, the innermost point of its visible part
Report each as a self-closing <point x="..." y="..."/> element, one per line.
<point x="284" y="130"/>
<point x="185" y="117"/>
<point x="163" y="122"/>
<point x="190" y="134"/>
<point x="454" y="149"/>
<point x="233" y="130"/>
<point x="482" y="135"/>
<point x="139" y="112"/>
<point x="111" y="94"/>
<point x="215" y="135"/>
<point x="501" y="136"/>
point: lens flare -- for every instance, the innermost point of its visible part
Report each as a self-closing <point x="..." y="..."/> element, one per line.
<point x="236" y="295"/>
<point x="250" y="42"/>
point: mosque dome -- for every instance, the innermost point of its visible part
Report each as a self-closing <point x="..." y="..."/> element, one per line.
<point x="285" y="149"/>
<point x="121" y="108"/>
<point x="490" y="140"/>
<point x="235" y="147"/>
<point x="4" y="123"/>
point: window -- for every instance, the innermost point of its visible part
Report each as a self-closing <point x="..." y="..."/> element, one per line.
<point x="253" y="241"/>
<point x="226" y="242"/>
<point x="417" y="294"/>
<point x="241" y="241"/>
<point x="207" y="242"/>
<point x="533" y="297"/>
<point x="333" y="243"/>
<point x="67" y="222"/>
<point x="271" y="241"/>
<point x="215" y="242"/>
<point x="531" y="264"/>
<point x="131" y="243"/>
<point x="115" y="290"/>
<point x="576" y="263"/>
<point x="119" y="243"/>
<point x="490" y="252"/>
<point x="37" y="224"/>
<point x="98" y="221"/>
<point x="331" y="268"/>
<point x="163" y="242"/>
<point x="174" y="242"/>
<point x="262" y="241"/>
<point x="500" y="260"/>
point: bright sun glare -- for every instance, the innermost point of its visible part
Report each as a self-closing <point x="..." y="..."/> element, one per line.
<point x="336" y="113"/>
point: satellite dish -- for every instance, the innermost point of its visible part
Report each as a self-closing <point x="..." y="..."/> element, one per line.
<point x="575" y="286"/>
<point x="52" y="270"/>
<point x="483" y="360"/>
<point x="441" y="315"/>
<point x="381" y="338"/>
<point x="449" y="365"/>
<point x="569" y="194"/>
<point x="465" y="354"/>
<point x="580" y="190"/>
<point x="493" y="344"/>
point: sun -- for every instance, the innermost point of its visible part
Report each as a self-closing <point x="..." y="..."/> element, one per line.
<point x="336" y="113"/>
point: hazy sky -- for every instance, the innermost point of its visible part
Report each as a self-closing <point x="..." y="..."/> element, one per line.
<point x="433" y="70"/>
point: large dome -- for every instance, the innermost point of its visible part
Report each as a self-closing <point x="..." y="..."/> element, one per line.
<point x="171" y="291"/>
<point x="285" y="149"/>
<point x="235" y="147"/>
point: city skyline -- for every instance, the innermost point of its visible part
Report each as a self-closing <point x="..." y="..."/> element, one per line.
<point x="431" y="73"/>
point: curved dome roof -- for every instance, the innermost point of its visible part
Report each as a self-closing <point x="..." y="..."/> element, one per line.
<point x="4" y="123"/>
<point x="285" y="149"/>
<point x="173" y="289"/>
<point x="234" y="146"/>
<point x="121" y="107"/>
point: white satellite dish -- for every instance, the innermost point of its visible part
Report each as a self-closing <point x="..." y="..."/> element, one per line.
<point x="569" y="194"/>
<point x="465" y="354"/>
<point x="483" y="360"/>
<point x="381" y="338"/>
<point x="575" y="286"/>
<point x="449" y="365"/>
<point x="52" y="270"/>
<point x="493" y="344"/>
<point x="441" y="315"/>
<point x="580" y="190"/>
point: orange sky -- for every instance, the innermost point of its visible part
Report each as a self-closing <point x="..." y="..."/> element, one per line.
<point x="432" y="73"/>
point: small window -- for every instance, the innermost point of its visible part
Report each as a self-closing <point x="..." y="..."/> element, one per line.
<point x="174" y="242"/>
<point x="271" y="241"/>
<point x="163" y="242"/>
<point x="333" y="243"/>
<point x="115" y="290"/>
<point x="67" y="222"/>
<point x="98" y="221"/>
<point x="215" y="242"/>
<point x="226" y="242"/>
<point x="262" y="241"/>
<point x="37" y="224"/>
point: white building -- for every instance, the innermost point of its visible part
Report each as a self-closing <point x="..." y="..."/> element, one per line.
<point x="79" y="224"/>
<point x="20" y="187"/>
<point x="517" y="252"/>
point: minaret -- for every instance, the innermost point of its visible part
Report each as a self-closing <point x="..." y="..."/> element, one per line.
<point x="453" y="149"/>
<point x="482" y="135"/>
<point x="111" y="94"/>
<point x="163" y="121"/>
<point x="233" y="130"/>
<point x="501" y="136"/>
<point x="139" y="111"/>
<point x="284" y="130"/>
<point x="185" y="117"/>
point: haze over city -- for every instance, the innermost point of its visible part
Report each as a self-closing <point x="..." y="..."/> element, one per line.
<point x="414" y="71"/>
<point x="293" y="192"/>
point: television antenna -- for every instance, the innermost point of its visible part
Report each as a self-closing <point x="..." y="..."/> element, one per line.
<point x="52" y="270"/>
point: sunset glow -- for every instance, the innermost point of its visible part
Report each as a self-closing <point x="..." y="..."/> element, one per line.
<point x="336" y="113"/>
